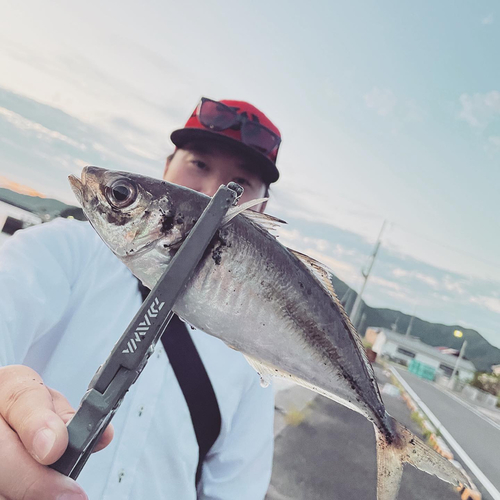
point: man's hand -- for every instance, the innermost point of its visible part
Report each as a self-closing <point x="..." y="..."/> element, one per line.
<point x="33" y="434"/>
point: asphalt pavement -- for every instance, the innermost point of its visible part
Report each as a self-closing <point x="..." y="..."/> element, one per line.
<point x="476" y="435"/>
<point x="330" y="455"/>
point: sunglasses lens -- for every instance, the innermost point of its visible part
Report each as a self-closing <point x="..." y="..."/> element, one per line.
<point x="216" y="116"/>
<point x="259" y="137"/>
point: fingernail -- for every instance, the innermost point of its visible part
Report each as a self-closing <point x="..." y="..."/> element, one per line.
<point x="71" y="490"/>
<point x="43" y="442"/>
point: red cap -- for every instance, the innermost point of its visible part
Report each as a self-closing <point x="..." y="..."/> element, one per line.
<point x="265" y="164"/>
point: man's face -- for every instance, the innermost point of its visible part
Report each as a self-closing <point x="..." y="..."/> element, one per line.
<point x="205" y="167"/>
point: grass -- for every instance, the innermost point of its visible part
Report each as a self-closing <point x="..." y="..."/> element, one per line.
<point x="295" y="417"/>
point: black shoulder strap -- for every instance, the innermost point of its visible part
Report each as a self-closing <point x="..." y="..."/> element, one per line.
<point x="194" y="382"/>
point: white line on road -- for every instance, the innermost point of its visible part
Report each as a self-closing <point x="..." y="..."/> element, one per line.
<point x="451" y="440"/>
<point x="470" y="407"/>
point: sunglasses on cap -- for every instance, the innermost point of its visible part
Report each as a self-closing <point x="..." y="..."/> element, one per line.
<point x="217" y="116"/>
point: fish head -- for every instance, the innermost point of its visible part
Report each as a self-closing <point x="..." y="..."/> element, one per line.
<point x="137" y="215"/>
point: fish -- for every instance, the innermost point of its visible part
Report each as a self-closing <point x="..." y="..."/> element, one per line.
<point x="275" y="305"/>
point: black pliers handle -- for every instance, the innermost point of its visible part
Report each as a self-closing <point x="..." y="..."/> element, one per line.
<point x="131" y="353"/>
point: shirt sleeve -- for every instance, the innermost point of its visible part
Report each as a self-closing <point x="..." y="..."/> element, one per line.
<point x="240" y="462"/>
<point x="37" y="268"/>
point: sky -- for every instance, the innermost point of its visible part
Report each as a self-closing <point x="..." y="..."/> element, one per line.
<point x="388" y="111"/>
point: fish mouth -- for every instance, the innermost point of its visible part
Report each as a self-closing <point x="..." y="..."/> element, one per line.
<point x="77" y="186"/>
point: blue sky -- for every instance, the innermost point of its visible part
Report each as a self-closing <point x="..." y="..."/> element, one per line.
<point x="388" y="110"/>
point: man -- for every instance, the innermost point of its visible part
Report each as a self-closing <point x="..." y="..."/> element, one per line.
<point x="65" y="300"/>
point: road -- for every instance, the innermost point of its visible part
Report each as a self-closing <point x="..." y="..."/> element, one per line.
<point x="330" y="455"/>
<point x="478" y="437"/>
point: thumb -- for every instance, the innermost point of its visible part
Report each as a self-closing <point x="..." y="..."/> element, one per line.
<point x="66" y="412"/>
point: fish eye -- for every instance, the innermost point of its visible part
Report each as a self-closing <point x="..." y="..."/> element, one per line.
<point x="121" y="193"/>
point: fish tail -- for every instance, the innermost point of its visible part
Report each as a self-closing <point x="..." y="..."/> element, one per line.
<point x="403" y="448"/>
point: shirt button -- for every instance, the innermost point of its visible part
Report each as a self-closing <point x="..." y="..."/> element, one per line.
<point x="120" y="475"/>
<point x="141" y="409"/>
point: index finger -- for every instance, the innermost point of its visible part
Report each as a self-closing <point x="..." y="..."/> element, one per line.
<point x="26" y="405"/>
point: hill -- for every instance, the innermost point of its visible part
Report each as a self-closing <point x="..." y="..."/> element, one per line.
<point x="478" y="350"/>
<point x="45" y="208"/>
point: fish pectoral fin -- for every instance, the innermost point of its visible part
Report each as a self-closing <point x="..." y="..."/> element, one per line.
<point x="234" y="211"/>
<point x="407" y="448"/>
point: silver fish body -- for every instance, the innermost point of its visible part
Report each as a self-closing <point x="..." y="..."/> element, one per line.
<point x="260" y="298"/>
<point x="274" y="305"/>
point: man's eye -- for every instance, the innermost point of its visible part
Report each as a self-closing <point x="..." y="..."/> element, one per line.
<point x="200" y="164"/>
<point x="241" y="181"/>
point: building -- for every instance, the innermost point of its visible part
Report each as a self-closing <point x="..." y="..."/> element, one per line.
<point x="403" y="349"/>
<point x="13" y="218"/>
<point x="18" y="211"/>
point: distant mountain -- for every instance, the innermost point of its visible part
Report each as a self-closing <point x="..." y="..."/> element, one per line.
<point x="478" y="349"/>
<point x="45" y="208"/>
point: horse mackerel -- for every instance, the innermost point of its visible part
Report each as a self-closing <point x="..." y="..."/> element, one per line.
<point x="276" y="306"/>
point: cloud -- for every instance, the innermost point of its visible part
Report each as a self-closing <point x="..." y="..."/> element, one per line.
<point x="491" y="303"/>
<point x="413" y="112"/>
<point x="377" y="280"/>
<point x="41" y="132"/>
<point x="441" y="297"/>
<point x="453" y="285"/>
<point x="479" y="110"/>
<point x="295" y="236"/>
<point x="127" y="101"/>
<point x="487" y="20"/>
<point x="322" y="251"/>
<point x="424" y="278"/>
<point x="495" y="140"/>
<point x="382" y="102"/>
<point x="398" y="272"/>
<point x="34" y="134"/>
<point x="386" y="104"/>
<point x="400" y="296"/>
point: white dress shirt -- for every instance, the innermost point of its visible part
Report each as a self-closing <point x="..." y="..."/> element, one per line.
<point x="65" y="299"/>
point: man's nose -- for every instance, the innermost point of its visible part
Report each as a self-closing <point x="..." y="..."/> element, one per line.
<point x="211" y="185"/>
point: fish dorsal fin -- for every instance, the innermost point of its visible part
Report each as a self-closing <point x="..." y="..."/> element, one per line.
<point x="268" y="222"/>
<point x="234" y="211"/>
<point x="322" y="275"/>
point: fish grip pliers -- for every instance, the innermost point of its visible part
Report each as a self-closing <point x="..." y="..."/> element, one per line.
<point x="132" y="351"/>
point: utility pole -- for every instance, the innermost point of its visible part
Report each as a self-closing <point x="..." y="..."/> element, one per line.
<point x="408" y="330"/>
<point x="460" y="356"/>
<point x="394" y="326"/>
<point x="362" y="324"/>
<point x="410" y="324"/>
<point x="366" y="275"/>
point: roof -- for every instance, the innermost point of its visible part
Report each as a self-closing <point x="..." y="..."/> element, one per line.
<point x="418" y="346"/>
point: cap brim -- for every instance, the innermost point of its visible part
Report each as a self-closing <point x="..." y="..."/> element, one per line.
<point x="258" y="162"/>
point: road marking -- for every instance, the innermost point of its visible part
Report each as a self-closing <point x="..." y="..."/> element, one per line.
<point x="451" y="440"/>
<point x="469" y="407"/>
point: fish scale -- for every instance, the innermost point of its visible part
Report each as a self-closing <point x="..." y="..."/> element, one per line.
<point x="274" y="305"/>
